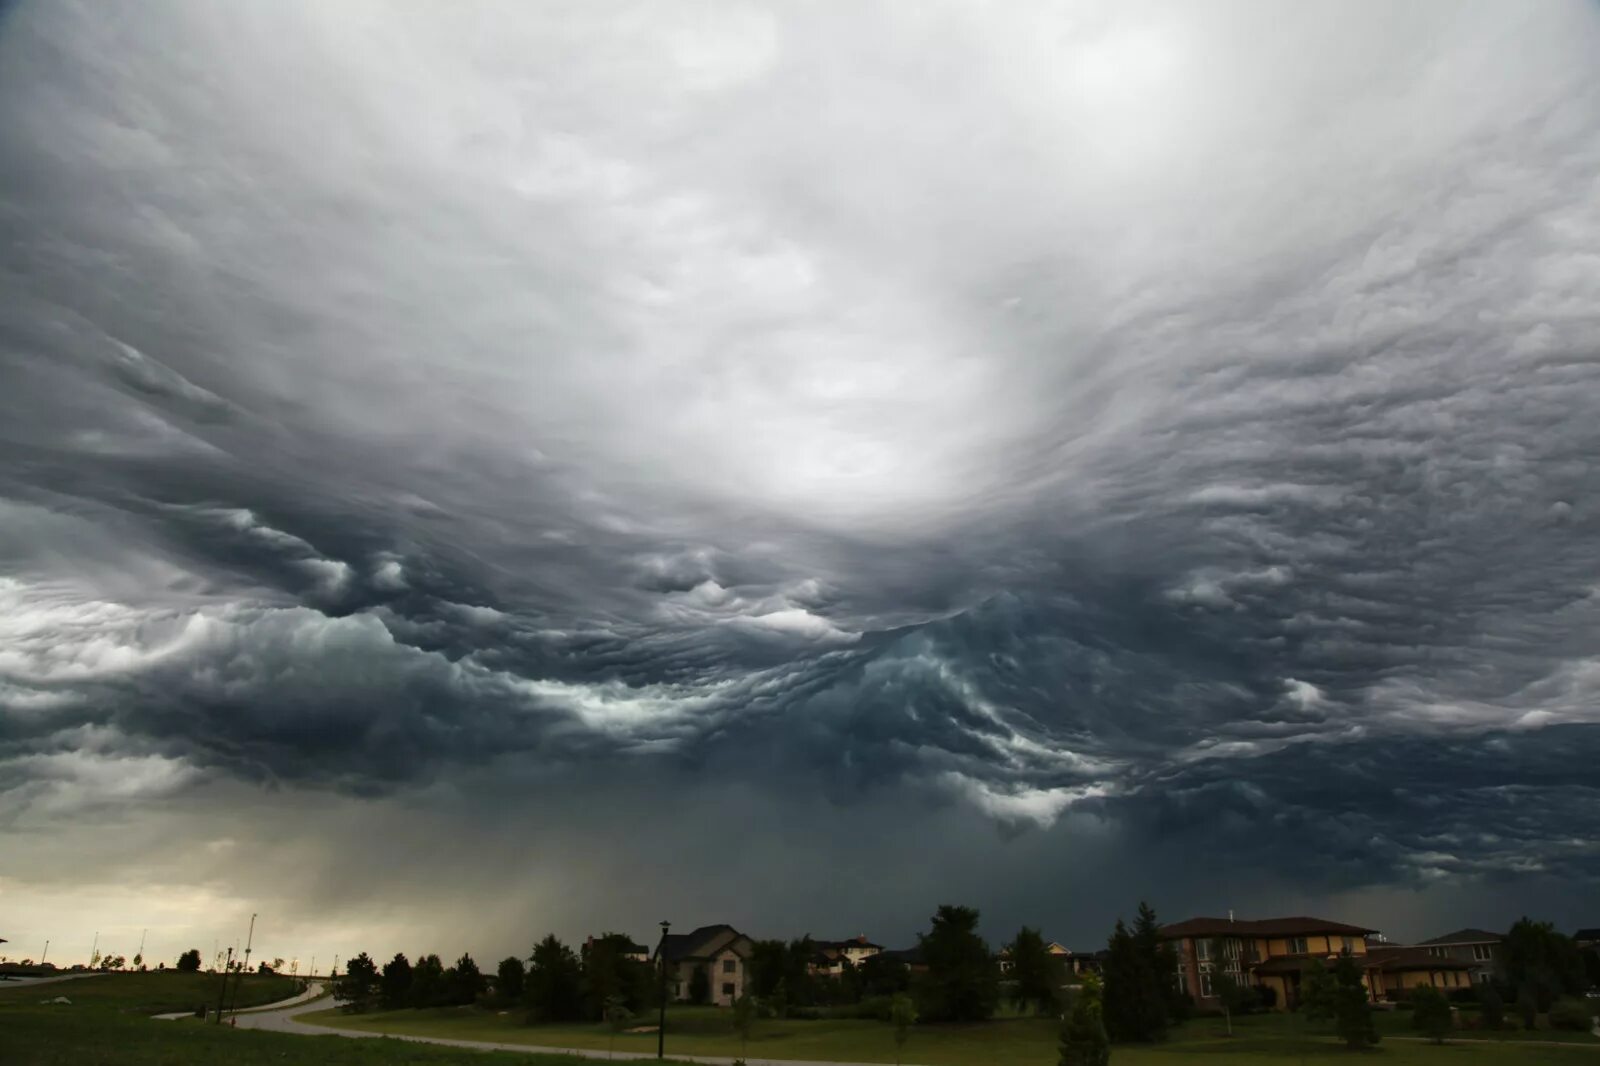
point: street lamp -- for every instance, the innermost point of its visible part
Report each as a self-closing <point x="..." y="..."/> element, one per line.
<point x="661" y="1025"/>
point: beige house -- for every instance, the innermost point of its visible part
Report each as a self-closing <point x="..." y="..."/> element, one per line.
<point x="831" y="955"/>
<point x="1264" y="953"/>
<point x="720" y="951"/>
<point x="1394" y="971"/>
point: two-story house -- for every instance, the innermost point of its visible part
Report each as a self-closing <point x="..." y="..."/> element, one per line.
<point x="721" y="951"/>
<point x="1268" y="953"/>
<point x="1476" y="946"/>
<point x="831" y="955"/>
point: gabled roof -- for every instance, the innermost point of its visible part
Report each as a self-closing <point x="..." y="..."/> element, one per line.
<point x="1463" y="936"/>
<point x="703" y="943"/>
<point x="1296" y="926"/>
<point x="1587" y="934"/>
<point x="1417" y="958"/>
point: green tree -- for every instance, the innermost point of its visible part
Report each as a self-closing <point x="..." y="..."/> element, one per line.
<point x="428" y="986"/>
<point x="700" y="986"/>
<point x="396" y="986"/>
<point x="463" y="982"/>
<point x="508" y="977"/>
<point x="744" y="1016"/>
<point x="881" y="976"/>
<point x="767" y="964"/>
<point x="1541" y="962"/>
<point x="609" y="971"/>
<point x="1430" y="1013"/>
<point x="1352" y="1016"/>
<point x="902" y="1015"/>
<point x="961" y="983"/>
<point x="358" y="988"/>
<point x="1572" y="1014"/>
<point x="189" y="961"/>
<point x="1083" y="1032"/>
<point x="1138" y="980"/>
<point x="553" y="987"/>
<point x="1035" y="973"/>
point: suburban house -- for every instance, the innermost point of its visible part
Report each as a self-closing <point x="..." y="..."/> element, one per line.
<point x="1476" y="946"/>
<point x="721" y="951"/>
<point x="1074" y="963"/>
<point x="1393" y="971"/>
<point x="636" y="952"/>
<point x="1266" y="952"/>
<point x="1587" y="938"/>
<point x="831" y="955"/>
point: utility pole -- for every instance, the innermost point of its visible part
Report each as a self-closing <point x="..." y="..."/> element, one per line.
<point x="313" y="966"/>
<point x="661" y="1025"/>
<point x="334" y="972"/>
<point x="94" y="952"/>
<point x="223" y="991"/>
<point x="248" y="941"/>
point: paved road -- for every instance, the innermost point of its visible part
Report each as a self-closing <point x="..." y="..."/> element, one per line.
<point x="284" y="1021"/>
<point x="313" y="991"/>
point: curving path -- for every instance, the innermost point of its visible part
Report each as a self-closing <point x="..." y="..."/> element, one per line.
<point x="283" y="1021"/>
<point x="313" y="991"/>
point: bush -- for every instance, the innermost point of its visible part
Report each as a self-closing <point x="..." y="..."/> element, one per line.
<point x="1268" y="995"/>
<point x="1464" y="996"/>
<point x="1571" y="1014"/>
<point x="805" y="1014"/>
<point x="1431" y="1015"/>
<point x="1492" y="1008"/>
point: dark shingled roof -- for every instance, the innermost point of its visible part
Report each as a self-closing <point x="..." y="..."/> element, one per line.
<point x="1587" y="934"/>
<point x="700" y="943"/>
<point x="1418" y="958"/>
<point x="1463" y="936"/>
<point x="1297" y="926"/>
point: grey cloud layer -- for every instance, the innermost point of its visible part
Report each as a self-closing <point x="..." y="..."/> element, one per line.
<point x="1179" y="417"/>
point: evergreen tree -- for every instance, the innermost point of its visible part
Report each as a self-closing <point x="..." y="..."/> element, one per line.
<point x="396" y="985"/>
<point x="1083" y="1034"/>
<point x="1341" y="996"/>
<point x="962" y="983"/>
<point x="358" y="988"/>
<point x="700" y="986"/>
<point x="189" y="961"/>
<point x="463" y="982"/>
<point x="428" y="988"/>
<point x="1430" y="1014"/>
<point x="1035" y="973"/>
<point x="903" y="1015"/>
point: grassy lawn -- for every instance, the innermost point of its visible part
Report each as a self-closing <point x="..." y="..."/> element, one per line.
<point x="108" y="1024"/>
<point x="1266" y="1039"/>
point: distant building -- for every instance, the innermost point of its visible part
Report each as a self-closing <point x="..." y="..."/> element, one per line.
<point x="636" y="952"/>
<point x="1478" y="947"/>
<point x="1393" y="971"/>
<point x="720" y="950"/>
<point x="831" y="955"/>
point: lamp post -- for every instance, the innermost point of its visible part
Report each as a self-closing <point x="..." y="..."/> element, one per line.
<point x="661" y="1025"/>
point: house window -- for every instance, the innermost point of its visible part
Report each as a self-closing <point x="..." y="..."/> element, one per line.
<point x="1230" y="949"/>
<point x="1482" y="952"/>
<point x="1205" y="983"/>
<point x="1202" y="949"/>
<point x="1297" y="945"/>
<point x="1347" y="945"/>
<point x="1483" y="978"/>
<point x="1183" y="983"/>
<point x="729" y="966"/>
<point x="727" y="988"/>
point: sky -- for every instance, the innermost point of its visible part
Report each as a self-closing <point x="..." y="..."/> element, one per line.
<point x="469" y="471"/>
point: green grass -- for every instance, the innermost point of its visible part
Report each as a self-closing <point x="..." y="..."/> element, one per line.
<point x="107" y="1024"/>
<point x="1262" y="1039"/>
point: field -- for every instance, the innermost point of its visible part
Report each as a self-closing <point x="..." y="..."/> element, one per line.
<point x="108" y="1024"/>
<point x="1263" y="1040"/>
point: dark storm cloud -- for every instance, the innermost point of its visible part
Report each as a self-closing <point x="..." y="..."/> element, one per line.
<point x="1082" y="417"/>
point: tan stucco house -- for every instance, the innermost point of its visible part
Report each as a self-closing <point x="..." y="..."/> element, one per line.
<point x="720" y="950"/>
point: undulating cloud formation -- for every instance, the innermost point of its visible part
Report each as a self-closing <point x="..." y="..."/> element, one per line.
<point x="467" y="470"/>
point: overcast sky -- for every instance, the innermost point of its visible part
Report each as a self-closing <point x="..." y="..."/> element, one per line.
<point x="480" y="469"/>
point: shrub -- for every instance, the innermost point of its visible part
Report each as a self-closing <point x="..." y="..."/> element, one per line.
<point x="1431" y="1015"/>
<point x="1492" y="1008"/>
<point x="1571" y="1014"/>
<point x="1464" y="996"/>
<point x="1268" y="995"/>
